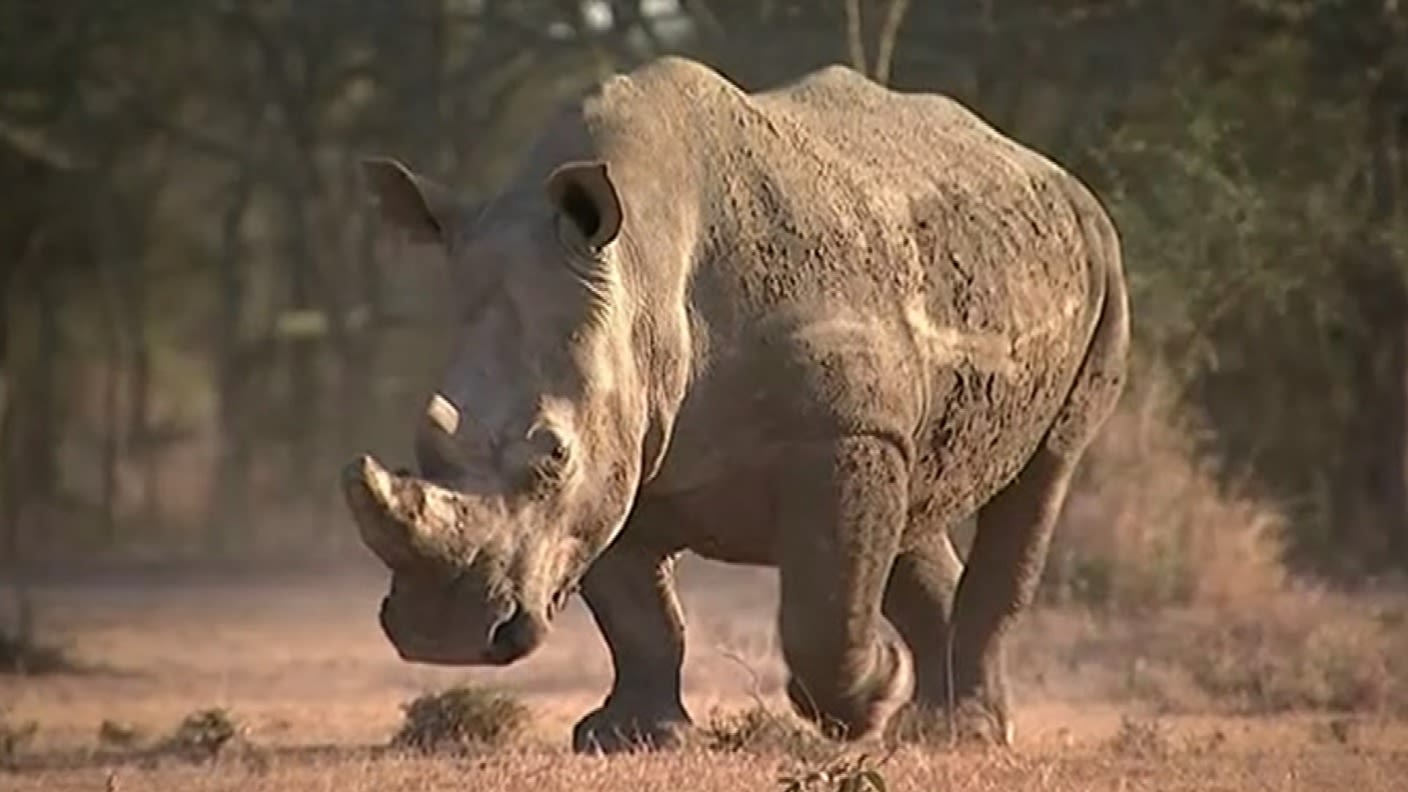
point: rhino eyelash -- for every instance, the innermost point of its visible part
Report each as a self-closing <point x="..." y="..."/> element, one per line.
<point x="542" y="482"/>
<point x="551" y="467"/>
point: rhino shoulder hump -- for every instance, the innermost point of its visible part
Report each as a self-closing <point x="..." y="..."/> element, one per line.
<point x="680" y="74"/>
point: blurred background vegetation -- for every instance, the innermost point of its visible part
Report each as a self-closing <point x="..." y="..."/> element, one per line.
<point x="200" y="321"/>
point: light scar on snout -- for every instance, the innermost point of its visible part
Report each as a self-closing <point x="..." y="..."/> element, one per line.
<point x="443" y="413"/>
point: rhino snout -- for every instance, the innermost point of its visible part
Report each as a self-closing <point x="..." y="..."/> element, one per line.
<point x="493" y="637"/>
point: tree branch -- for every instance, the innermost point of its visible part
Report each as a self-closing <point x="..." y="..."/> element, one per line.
<point x="855" y="43"/>
<point x="889" y="36"/>
<point x="40" y="148"/>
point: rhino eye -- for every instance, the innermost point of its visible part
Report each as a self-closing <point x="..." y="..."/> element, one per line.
<point x="557" y="450"/>
<point x="551" y="452"/>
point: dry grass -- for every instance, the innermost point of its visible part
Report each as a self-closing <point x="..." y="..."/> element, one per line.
<point x="319" y="694"/>
<point x="1310" y="766"/>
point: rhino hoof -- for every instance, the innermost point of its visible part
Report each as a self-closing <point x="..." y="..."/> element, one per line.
<point x="864" y="712"/>
<point x="977" y="723"/>
<point x="605" y="732"/>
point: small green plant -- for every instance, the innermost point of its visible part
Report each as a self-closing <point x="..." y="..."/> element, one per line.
<point x="118" y="734"/>
<point x="14" y="736"/>
<point x="203" y="734"/>
<point x="460" y="718"/>
<point x="857" y="774"/>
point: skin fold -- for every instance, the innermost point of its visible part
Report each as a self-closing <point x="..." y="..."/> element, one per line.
<point x="812" y="328"/>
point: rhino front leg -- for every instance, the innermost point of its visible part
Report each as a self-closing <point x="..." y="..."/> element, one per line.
<point x="1003" y="569"/>
<point x="631" y="594"/>
<point x="841" y="511"/>
<point x="918" y="602"/>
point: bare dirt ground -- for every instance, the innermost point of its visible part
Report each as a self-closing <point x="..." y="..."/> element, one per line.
<point x="299" y="660"/>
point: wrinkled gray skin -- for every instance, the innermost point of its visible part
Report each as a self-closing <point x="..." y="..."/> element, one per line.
<point x="812" y="328"/>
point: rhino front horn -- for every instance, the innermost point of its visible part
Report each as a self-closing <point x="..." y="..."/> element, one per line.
<point x="371" y="494"/>
<point x="408" y="521"/>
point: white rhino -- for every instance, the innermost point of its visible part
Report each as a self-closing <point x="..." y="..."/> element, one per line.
<point x="811" y="328"/>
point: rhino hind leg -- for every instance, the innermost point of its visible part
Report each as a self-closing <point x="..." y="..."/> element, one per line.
<point x="918" y="602"/>
<point x="840" y="517"/>
<point x="631" y="594"/>
<point x="1015" y="527"/>
<point x="998" y="583"/>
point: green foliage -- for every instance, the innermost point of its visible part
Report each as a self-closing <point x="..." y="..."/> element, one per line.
<point x="1239" y="192"/>
<point x="852" y="774"/>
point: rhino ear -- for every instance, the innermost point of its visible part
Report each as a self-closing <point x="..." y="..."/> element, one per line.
<point x="584" y="193"/>
<point x="420" y="206"/>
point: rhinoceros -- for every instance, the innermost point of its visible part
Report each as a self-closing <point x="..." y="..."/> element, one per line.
<point x="811" y="328"/>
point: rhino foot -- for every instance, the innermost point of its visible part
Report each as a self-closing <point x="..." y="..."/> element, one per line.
<point x="979" y="722"/>
<point x="973" y="723"/>
<point x="612" y="730"/>
<point x="865" y="709"/>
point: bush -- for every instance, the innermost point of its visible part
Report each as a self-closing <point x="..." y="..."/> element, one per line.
<point x="1301" y="650"/>
<point x="1148" y="525"/>
<point x="118" y="734"/>
<point x="14" y="736"/>
<point x="1141" y="739"/>
<point x="759" y="730"/>
<point x="203" y="734"/>
<point x="461" y="718"/>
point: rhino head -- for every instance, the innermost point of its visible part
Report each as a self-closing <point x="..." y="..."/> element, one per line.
<point x="530" y="452"/>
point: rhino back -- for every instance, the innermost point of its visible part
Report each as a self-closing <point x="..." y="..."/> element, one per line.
<point x="855" y="258"/>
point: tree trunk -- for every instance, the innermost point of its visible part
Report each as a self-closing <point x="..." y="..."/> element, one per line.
<point x="40" y="451"/>
<point x="303" y="409"/>
<point x="112" y="424"/>
<point x="141" y="440"/>
<point x="1373" y="497"/>
<point x="9" y="511"/>
<point x="1372" y="501"/>
<point x="228" y="504"/>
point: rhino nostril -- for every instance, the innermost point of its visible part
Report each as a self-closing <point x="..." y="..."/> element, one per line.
<point x="514" y="636"/>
